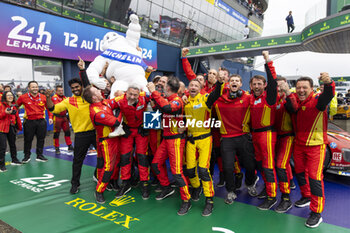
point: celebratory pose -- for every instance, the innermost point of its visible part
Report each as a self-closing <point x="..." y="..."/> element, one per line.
<point x="198" y="109"/>
<point x="84" y="131"/>
<point x="262" y="112"/>
<point x="101" y="114"/>
<point x="236" y="141"/>
<point x="310" y="119"/>
<point x="173" y="143"/>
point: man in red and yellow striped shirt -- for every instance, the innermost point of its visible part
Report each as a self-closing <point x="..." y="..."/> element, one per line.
<point x="60" y="121"/>
<point x="310" y="124"/>
<point x="284" y="145"/>
<point x="102" y="117"/>
<point x="235" y="136"/>
<point x="262" y="112"/>
<point x="34" y="123"/>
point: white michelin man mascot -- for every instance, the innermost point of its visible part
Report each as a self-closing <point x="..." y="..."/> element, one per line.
<point x="125" y="62"/>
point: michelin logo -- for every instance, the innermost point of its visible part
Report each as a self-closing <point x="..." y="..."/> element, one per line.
<point x="152" y="120"/>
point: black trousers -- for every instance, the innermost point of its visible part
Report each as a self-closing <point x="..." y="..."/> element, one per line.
<point x="241" y="146"/>
<point x="290" y="26"/>
<point x="11" y="138"/>
<point x="33" y="128"/>
<point x="82" y="142"/>
<point x="215" y="154"/>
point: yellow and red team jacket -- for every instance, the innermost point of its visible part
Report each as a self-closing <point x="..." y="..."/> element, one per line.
<point x="55" y="100"/>
<point x="199" y="109"/>
<point x="79" y="112"/>
<point x="34" y="106"/>
<point x="283" y="121"/>
<point x="263" y="107"/>
<point x="132" y="114"/>
<point x="311" y="120"/>
<point x="172" y="108"/>
<point x="101" y="114"/>
<point x="234" y="114"/>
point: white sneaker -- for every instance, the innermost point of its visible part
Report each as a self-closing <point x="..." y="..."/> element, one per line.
<point x="252" y="189"/>
<point x="231" y="196"/>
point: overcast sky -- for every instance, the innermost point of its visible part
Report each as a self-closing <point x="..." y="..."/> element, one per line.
<point x="301" y="63"/>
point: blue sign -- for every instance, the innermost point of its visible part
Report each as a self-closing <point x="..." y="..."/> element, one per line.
<point x="31" y="32"/>
<point x="152" y="120"/>
<point x="232" y="12"/>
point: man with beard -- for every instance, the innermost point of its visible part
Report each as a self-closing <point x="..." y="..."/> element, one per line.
<point x="236" y="142"/>
<point x="34" y="123"/>
<point x="262" y="112"/>
<point x="226" y="74"/>
<point x="84" y="131"/>
<point x="60" y="121"/>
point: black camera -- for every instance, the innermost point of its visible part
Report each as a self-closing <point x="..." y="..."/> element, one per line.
<point x="159" y="88"/>
<point x="13" y="111"/>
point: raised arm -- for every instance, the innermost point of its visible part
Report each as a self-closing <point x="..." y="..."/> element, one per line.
<point x="186" y="65"/>
<point x="328" y="93"/>
<point x="55" y="108"/>
<point x="82" y="73"/>
<point x="214" y="95"/>
<point x="271" y="89"/>
<point x="291" y="104"/>
<point x="173" y="107"/>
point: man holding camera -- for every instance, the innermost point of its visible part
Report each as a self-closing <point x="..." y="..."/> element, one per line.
<point x="9" y="124"/>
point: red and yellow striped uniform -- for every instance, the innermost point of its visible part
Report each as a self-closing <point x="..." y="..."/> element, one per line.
<point x="34" y="106"/>
<point x="60" y="121"/>
<point x="101" y="115"/>
<point x="284" y="145"/>
<point x="263" y="112"/>
<point x="173" y="143"/>
<point x="310" y="123"/>
<point x="225" y="107"/>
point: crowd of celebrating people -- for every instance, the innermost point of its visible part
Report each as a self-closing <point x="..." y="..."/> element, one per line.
<point x="211" y="121"/>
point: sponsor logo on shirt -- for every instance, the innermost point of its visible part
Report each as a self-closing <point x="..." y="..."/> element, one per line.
<point x="257" y="101"/>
